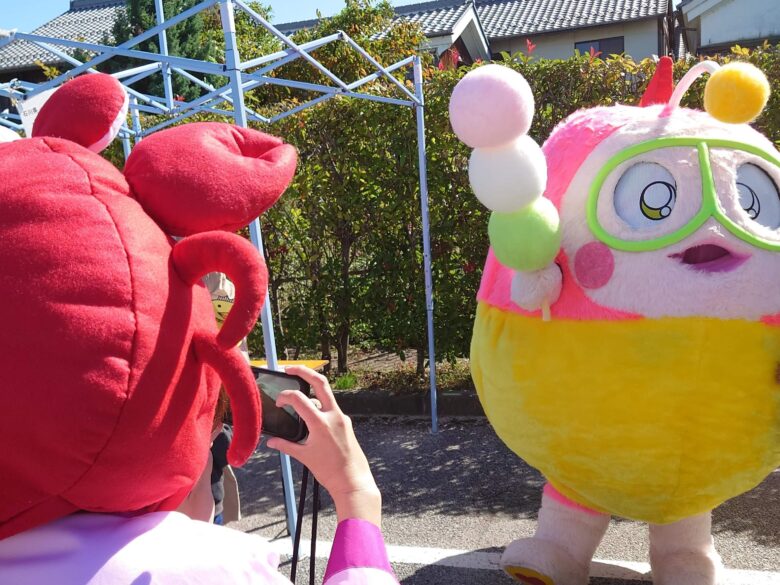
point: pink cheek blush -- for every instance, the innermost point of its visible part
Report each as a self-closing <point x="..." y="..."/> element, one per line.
<point x="594" y="265"/>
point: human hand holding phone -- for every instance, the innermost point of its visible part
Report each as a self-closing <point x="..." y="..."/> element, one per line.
<point x="331" y="450"/>
<point x="280" y="422"/>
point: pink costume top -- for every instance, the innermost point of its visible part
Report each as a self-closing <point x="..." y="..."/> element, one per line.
<point x="164" y="548"/>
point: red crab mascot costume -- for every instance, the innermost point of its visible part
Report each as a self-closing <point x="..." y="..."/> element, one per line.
<point x="110" y="353"/>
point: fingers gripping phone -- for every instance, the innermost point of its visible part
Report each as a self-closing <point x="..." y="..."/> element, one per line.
<point x="280" y="422"/>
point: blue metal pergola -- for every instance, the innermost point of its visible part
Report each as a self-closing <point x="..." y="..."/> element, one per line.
<point x="239" y="80"/>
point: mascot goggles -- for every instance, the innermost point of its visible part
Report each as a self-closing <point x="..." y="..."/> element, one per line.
<point x="710" y="207"/>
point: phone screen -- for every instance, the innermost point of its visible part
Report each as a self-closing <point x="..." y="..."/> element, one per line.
<point x="280" y="422"/>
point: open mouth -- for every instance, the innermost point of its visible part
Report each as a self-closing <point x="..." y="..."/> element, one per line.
<point x="710" y="258"/>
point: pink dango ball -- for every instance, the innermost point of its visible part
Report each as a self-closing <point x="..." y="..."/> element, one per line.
<point x="490" y="106"/>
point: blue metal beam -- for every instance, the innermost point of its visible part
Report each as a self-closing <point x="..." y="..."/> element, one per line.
<point x="307" y="47"/>
<point x="105" y="56"/>
<point x="423" y="170"/>
<point x="163" y="41"/>
<point x="286" y="40"/>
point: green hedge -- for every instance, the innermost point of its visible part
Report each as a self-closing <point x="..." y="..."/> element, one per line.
<point x="344" y="244"/>
<point x="345" y="241"/>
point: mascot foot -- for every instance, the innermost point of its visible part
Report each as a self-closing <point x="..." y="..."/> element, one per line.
<point x="533" y="561"/>
<point x="687" y="568"/>
<point x="683" y="553"/>
<point x="560" y="552"/>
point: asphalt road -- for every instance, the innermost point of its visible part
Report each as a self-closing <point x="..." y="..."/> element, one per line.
<point x="453" y="500"/>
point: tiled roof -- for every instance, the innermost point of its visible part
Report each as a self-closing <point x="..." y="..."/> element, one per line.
<point x="509" y="18"/>
<point x="290" y="27"/>
<point x="91" y="20"/>
<point x="435" y="18"/>
<point x="90" y="24"/>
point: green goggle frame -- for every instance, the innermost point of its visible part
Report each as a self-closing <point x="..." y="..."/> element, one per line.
<point x="709" y="207"/>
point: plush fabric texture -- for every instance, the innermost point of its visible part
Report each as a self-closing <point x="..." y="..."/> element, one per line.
<point x="168" y="547"/>
<point x="661" y="86"/>
<point x="506" y="178"/>
<point x="97" y="349"/>
<point x="111" y="355"/>
<point x="196" y="256"/>
<point x="736" y="93"/>
<point x="233" y="171"/>
<point x="509" y="115"/>
<point x="83" y="110"/>
<point x="528" y="239"/>
<point x="561" y="549"/>
<point x="650" y="388"/>
<point x="629" y="425"/>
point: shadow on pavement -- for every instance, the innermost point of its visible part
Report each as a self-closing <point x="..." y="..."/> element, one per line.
<point x="466" y="469"/>
<point x="756" y="513"/>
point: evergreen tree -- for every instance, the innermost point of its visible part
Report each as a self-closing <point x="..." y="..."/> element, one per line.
<point x="198" y="37"/>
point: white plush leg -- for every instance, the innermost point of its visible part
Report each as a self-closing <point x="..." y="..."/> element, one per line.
<point x="683" y="553"/>
<point x="561" y="550"/>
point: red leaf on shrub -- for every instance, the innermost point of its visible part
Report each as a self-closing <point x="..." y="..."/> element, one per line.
<point x="529" y="46"/>
<point x="594" y="54"/>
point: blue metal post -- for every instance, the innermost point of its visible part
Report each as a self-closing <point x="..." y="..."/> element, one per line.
<point x="232" y="61"/>
<point x="420" y="111"/>
<point x="163" y="38"/>
<point x="126" y="148"/>
<point x="136" y="119"/>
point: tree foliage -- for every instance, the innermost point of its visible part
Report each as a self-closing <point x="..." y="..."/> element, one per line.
<point x="344" y="243"/>
<point x="198" y="37"/>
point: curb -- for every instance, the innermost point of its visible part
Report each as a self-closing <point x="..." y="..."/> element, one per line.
<point x="384" y="403"/>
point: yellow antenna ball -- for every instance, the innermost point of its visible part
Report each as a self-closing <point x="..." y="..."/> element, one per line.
<point x="736" y="93"/>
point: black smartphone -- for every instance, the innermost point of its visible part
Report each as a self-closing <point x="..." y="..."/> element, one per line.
<point x="280" y="422"/>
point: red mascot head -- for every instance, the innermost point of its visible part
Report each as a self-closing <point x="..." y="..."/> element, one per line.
<point x="110" y="359"/>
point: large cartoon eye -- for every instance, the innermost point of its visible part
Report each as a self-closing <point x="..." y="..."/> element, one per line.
<point x="645" y="194"/>
<point x="758" y="195"/>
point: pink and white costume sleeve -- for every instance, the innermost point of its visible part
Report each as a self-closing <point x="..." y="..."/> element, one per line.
<point x="167" y="548"/>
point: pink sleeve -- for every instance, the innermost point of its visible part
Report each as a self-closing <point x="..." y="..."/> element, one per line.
<point x="358" y="556"/>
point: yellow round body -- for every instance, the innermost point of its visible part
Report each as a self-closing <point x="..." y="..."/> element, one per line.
<point x="650" y="419"/>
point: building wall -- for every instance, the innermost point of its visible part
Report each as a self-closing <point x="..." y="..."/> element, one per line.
<point x="735" y="20"/>
<point x="640" y="40"/>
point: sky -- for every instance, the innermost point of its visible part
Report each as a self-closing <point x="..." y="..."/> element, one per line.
<point x="25" y="16"/>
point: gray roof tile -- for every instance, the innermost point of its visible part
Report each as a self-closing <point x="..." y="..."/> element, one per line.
<point x="89" y="24"/>
<point x="91" y="20"/>
<point x="435" y="18"/>
<point x="509" y="18"/>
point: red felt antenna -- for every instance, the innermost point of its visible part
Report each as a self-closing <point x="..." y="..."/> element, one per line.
<point x="661" y="86"/>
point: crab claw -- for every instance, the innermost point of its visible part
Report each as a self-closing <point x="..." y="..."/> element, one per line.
<point x="242" y="391"/>
<point x="87" y="110"/>
<point x="208" y="176"/>
<point x="197" y="255"/>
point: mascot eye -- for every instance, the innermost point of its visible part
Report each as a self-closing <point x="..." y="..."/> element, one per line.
<point x="758" y="195"/>
<point x="645" y="194"/>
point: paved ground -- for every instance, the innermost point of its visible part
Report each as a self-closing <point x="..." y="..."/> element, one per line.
<point x="453" y="500"/>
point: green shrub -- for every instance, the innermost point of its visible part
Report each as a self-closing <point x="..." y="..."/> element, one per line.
<point x="345" y="241"/>
<point x="344" y="244"/>
<point x="346" y="381"/>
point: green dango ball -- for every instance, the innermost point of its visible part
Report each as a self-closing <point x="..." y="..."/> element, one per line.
<point x="528" y="239"/>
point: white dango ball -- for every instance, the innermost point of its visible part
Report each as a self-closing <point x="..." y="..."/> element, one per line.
<point x="509" y="177"/>
<point x="530" y="290"/>
<point x="490" y="106"/>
